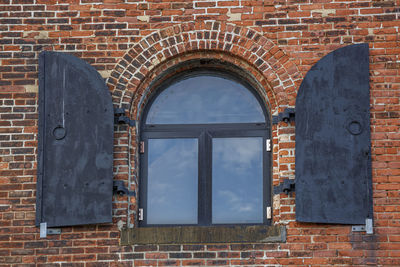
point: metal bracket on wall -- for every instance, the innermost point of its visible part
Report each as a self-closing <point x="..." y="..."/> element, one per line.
<point x="368" y="227"/>
<point x="120" y="118"/>
<point x="287" y="186"/>
<point x="287" y="115"/>
<point x="44" y="231"/>
<point x="120" y="189"/>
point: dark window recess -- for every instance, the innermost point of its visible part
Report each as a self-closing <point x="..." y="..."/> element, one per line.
<point x="333" y="158"/>
<point x="75" y="151"/>
<point x="204" y="159"/>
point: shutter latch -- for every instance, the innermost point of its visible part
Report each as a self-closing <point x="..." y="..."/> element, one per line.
<point x="120" y="118"/>
<point x="44" y="231"/>
<point x="368" y="227"/>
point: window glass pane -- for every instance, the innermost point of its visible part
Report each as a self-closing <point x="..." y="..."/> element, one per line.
<point x="172" y="181"/>
<point x="205" y="99"/>
<point x="237" y="180"/>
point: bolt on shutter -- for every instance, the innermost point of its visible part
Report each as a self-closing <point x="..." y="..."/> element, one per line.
<point x="333" y="162"/>
<point x="75" y="151"/>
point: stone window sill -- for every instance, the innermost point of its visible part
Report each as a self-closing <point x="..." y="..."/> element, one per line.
<point x="203" y="235"/>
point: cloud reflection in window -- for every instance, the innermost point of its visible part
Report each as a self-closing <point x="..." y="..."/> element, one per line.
<point x="205" y="99"/>
<point x="237" y="180"/>
<point x="172" y="181"/>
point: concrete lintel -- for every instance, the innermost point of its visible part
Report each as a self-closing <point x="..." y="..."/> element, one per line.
<point x="203" y="235"/>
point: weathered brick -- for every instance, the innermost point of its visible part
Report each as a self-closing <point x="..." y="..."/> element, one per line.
<point x="131" y="43"/>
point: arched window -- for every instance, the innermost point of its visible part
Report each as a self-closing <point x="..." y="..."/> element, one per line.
<point x="205" y="159"/>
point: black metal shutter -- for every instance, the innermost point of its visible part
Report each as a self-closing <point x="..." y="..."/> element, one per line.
<point x="75" y="151"/>
<point x="333" y="162"/>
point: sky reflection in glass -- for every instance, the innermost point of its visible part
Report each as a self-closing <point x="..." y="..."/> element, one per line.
<point x="172" y="181"/>
<point x="205" y="99"/>
<point x="237" y="180"/>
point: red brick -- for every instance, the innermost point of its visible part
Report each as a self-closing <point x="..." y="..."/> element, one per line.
<point x="103" y="32"/>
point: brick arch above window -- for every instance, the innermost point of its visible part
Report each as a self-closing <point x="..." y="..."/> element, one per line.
<point x="235" y="44"/>
<point x="219" y="61"/>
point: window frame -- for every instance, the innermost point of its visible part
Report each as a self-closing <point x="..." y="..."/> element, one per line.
<point x="205" y="134"/>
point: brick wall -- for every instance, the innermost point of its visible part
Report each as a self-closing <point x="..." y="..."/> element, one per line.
<point x="130" y="43"/>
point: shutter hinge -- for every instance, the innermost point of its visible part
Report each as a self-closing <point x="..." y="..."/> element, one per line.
<point x="269" y="213"/>
<point x="120" y="118"/>
<point x="120" y="189"/>
<point x="268" y="145"/>
<point x="287" y="115"/>
<point x="141" y="147"/>
<point x="140" y="215"/>
<point x="287" y="186"/>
